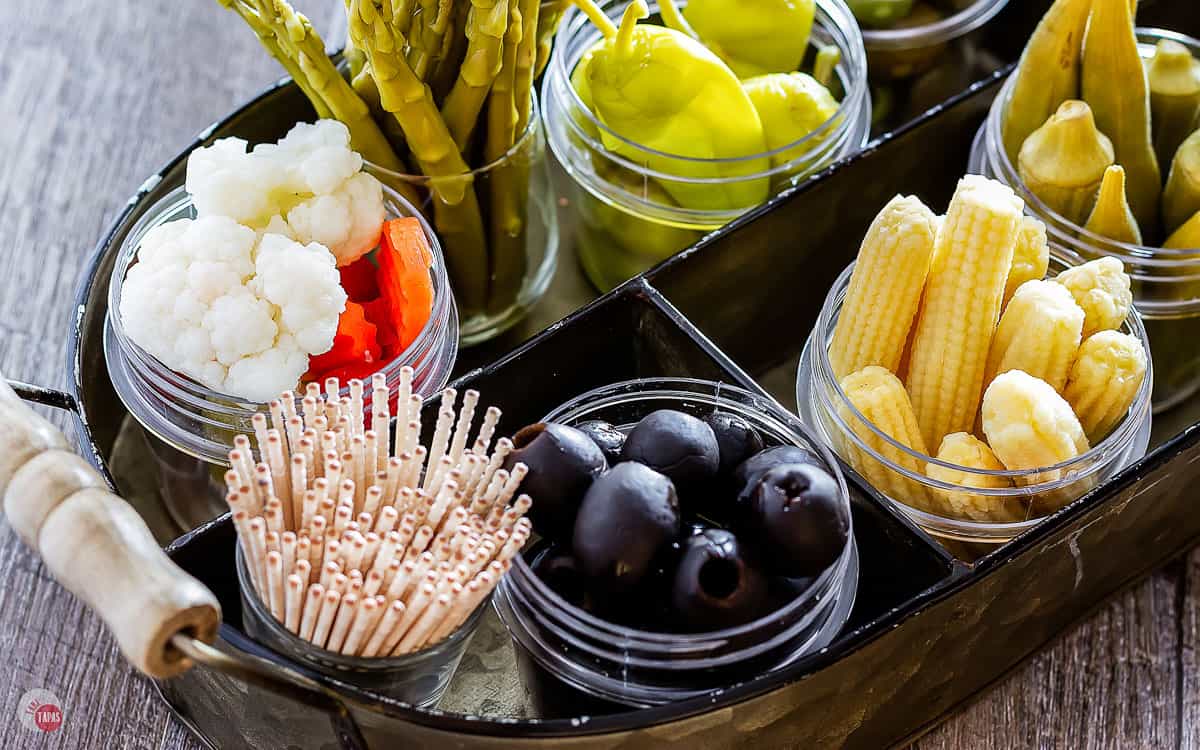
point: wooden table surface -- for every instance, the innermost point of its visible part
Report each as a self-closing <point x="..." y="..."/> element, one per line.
<point x="94" y="96"/>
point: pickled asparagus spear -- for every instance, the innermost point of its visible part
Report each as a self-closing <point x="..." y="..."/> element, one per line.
<point x="291" y="40"/>
<point x="1111" y="217"/>
<point x="426" y="36"/>
<point x="1048" y="73"/>
<point x="1113" y="82"/>
<point x="1039" y="334"/>
<point x="1063" y="161"/>
<point x="1186" y="237"/>
<point x="885" y="288"/>
<point x="1102" y="290"/>
<point x="1104" y="380"/>
<point x="1181" y="198"/>
<point x="455" y="207"/>
<point x="961" y="306"/>
<point x="1031" y="257"/>
<point x="548" y="17"/>
<point x="881" y="399"/>
<point x="526" y="60"/>
<point x="969" y="452"/>
<point x="1174" y="77"/>
<point x="487" y="23"/>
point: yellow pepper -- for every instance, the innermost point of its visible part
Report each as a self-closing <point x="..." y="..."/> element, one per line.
<point x="671" y="102"/>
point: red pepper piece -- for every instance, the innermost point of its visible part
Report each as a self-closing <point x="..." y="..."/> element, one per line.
<point x="355" y="343"/>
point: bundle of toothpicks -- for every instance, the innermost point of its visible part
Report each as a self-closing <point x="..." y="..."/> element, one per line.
<point x="366" y="548"/>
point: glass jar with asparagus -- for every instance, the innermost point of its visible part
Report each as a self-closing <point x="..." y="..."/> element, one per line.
<point x="965" y="384"/>
<point x="1097" y="132"/>
<point x="438" y="97"/>
<point x="364" y="553"/>
<point x="671" y="128"/>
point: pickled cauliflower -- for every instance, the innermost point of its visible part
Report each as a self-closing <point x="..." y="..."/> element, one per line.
<point x="308" y="187"/>
<point x="240" y="315"/>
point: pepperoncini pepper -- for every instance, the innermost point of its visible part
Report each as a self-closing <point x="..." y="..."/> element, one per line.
<point x="791" y="106"/>
<point x="754" y="37"/>
<point x="672" y="103"/>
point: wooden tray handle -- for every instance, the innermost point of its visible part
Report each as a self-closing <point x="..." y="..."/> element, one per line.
<point x="96" y="545"/>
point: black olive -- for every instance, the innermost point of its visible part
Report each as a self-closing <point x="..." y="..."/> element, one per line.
<point x="716" y="586"/>
<point x="562" y="463"/>
<point x="628" y="518"/>
<point x="737" y="439"/>
<point x="753" y="467"/>
<point x="560" y="571"/>
<point x="676" y="444"/>
<point x="795" y="517"/>
<point x="608" y="438"/>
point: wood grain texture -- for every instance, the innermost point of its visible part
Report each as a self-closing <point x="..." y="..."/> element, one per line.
<point x="93" y="97"/>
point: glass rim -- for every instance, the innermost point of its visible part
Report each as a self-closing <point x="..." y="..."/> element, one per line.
<point x="675" y="388"/>
<point x="1109" y="445"/>
<point x="347" y="663"/>
<point x="1063" y="229"/>
<point x="955" y="25"/>
<point x="187" y="390"/>
<point x="840" y="18"/>
<point x="521" y="145"/>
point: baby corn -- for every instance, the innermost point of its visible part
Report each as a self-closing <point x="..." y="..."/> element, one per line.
<point x="1039" y="334"/>
<point x="885" y="288"/>
<point x="1102" y="288"/>
<point x="1063" y="162"/>
<point x="880" y="397"/>
<point x="1031" y="257"/>
<point x="1181" y="197"/>
<point x="1028" y="425"/>
<point x="961" y="306"/>
<point x="1104" y="381"/>
<point x="1111" y="217"/>
<point x="970" y="452"/>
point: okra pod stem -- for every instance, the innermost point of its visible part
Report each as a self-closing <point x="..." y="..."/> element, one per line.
<point x="1181" y="198"/>
<point x="1063" y="162"/>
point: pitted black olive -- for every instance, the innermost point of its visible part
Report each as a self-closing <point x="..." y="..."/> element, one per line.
<point x="561" y="572"/>
<point x="562" y="463"/>
<point x="796" y="519"/>
<point x="716" y="586"/>
<point x="737" y="440"/>
<point x="753" y="467"/>
<point x="608" y="438"/>
<point x="628" y="519"/>
<point x="676" y="444"/>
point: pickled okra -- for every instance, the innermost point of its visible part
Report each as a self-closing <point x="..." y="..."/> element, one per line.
<point x="1113" y="83"/>
<point x="1174" y="77"/>
<point x="1181" y="198"/>
<point x="1111" y="217"/>
<point x="1186" y="237"/>
<point x="1048" y="73"/>
<point x="1063" y="162"/>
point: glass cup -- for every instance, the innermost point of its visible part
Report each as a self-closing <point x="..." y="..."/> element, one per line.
<point x="565" y="650"/>
<point x="997" y="515"/>
<point x="1166" y="283"/>
<point x="517" y="258"/>
<point x="624" y="219"/>
<point x="189" y="428"/>
<point x="418" y="679"/>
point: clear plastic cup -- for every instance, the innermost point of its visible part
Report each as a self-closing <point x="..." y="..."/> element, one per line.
<point x="418" y="679"/>
<point x="1166" y="283"/>
<point x="527" y="263"/>
<point x="566" y="648"/>
<point x="625" y="222"/>
<point x="190" y="428"/>
<point x="1007" y="511"/>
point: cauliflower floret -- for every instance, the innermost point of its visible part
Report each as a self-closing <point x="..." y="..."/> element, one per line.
<point x="303" y="282"/>
<point x="309" y="187"/>
<point x="209" y="300"/>
<point x="350" y="219"/>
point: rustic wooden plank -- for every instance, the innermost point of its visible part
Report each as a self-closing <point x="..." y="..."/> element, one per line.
<point x="1111" y="683"/>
